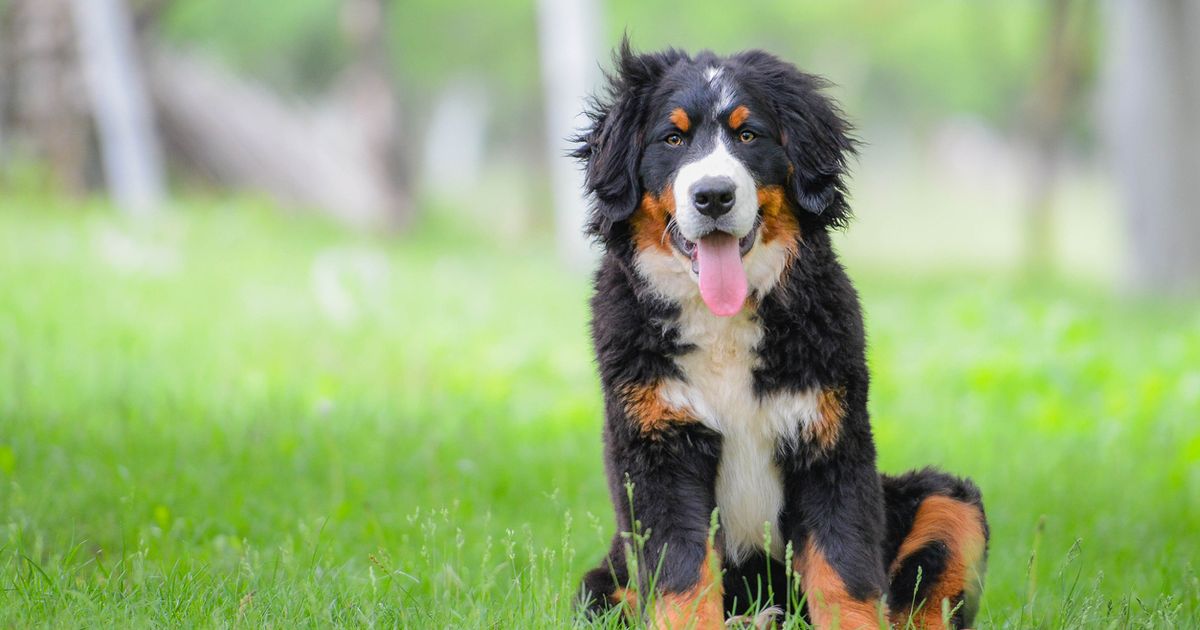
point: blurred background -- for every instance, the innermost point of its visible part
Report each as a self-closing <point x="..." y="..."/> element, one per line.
<point x="292" y="296"/>
<point x="1059" y="135"/>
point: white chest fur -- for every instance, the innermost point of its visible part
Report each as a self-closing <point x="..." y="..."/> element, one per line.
<point x="718" y="387"/>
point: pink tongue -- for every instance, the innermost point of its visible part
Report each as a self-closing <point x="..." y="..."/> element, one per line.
<point x="722" y="279"/>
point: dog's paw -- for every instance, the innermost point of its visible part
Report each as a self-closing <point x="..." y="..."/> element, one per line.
<point x="762" y="621"/>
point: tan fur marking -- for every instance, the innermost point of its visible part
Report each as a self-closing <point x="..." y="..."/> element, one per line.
<point x="831" y="406"/>
<point x="829" y="604"/>
<point x="680" y="119"/>
<point x="778" y="221"/>
<point x="960" y="526"/>
<point x="701" y="607"/>
<point x="649" y="221"/>
<point x="738" y="116"/>
<point x="645" y="406"/>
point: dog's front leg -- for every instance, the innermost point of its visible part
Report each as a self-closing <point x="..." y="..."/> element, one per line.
<point x="833" y="518"/>
<point x="672" y="469"/>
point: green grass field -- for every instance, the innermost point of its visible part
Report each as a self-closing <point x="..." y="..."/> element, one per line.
<point x="193" y="433"/>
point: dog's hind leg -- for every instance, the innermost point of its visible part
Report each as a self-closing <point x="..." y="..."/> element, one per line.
<point x="936" y="548"/>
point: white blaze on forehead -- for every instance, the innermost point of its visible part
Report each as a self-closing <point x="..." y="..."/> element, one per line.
<point x="724" y="100"/>
<point x="716" y="78"/>
<point x="718" y="163"/>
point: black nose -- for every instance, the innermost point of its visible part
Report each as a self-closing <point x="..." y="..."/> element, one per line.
<point x="713" y="196"/>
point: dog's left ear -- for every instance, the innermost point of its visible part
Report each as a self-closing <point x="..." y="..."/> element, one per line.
<point x="815" y="136"/>
<point x="611" y="148"/>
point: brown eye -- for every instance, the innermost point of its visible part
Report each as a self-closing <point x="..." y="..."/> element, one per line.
<point x="747" y="136"/>
<point x="674" y="139"/>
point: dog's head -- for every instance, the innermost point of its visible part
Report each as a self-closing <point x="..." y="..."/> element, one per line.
<point x="711" y="169"/>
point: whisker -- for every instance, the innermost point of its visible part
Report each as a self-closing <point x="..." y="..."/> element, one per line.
<point x="667" y="231"/>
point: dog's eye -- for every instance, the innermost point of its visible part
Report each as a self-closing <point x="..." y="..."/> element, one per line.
<point x="747" y="136"/>
<point x="674" y="139"/>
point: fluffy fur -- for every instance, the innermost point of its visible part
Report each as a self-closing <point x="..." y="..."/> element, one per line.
<point x="761" y="416"/>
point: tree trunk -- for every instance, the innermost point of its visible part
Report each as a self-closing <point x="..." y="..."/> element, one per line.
<point x="244" y="136"/>
<point x="369" y="91"/>
<point x="567" y="37"/>
<point x="7" y="69"/>
<point x="47" y="106"/>
<point x="120" y="104"/>
<point x="1152" y="67"/>
<point x="1055" y="88"/>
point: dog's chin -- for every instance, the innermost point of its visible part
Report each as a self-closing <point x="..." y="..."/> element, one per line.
<point x="687" y="248"/>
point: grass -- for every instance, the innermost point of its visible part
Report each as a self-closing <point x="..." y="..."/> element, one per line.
<point x="199" y="428"/>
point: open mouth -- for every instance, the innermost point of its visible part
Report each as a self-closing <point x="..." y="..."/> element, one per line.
<point x="717" y="266"/>
<point x="689" y="249"/>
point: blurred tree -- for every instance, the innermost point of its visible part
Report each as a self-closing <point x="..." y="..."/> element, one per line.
<point x="339" y="154"/>
<point x="1153" y="112"/>
<point x="1057" y="86"/>
<point x="120" y="104"/>
<point x="44" y="100"/>
<point x="370" y="90"/>
<point x="568" y="34"/>
<point x="898" y="61"/>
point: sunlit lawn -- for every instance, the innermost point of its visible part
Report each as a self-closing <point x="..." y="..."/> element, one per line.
<point x="230" y="418"/>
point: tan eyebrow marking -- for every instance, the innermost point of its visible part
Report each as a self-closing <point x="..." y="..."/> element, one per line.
<point x="738" y="116"/>
<point x="680" y="118"/>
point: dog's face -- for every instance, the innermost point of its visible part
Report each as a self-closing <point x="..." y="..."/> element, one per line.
<point x="709" y="149"/>
<point x="715" y="166"/>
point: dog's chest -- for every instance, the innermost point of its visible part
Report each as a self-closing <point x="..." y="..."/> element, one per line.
<point x="718" y="388"/>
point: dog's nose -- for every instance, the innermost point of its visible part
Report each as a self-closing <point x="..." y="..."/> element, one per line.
<point x="713" y="196"/>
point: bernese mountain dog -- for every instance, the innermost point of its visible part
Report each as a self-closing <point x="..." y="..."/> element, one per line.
<point x="731" y="353"/>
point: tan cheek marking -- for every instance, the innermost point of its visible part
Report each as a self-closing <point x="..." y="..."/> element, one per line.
<point x="701" y="607"/>
<point x="829" y="604"/>
<point x="649" y="221"/>
<point x="680" y="119"/>
<point x="738" y="117"/>
<point x="779" y="222"/>
<point x="644" y="405"/>
<point x="958" y="525"/>
<point x="832" y="410"/>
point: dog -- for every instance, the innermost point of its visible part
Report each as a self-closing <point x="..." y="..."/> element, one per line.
<point x="731" y="352"/>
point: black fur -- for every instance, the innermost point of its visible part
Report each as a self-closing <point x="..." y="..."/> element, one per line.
<point x="813" y="338"/>
<point x="611" y="149"/>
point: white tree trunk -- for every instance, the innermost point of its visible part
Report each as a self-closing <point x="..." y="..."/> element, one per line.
<point x="568" y="35"/>
<point x="120" y="104"/>
<point x="1152" y="93"/>
<point x="456" y="141"/>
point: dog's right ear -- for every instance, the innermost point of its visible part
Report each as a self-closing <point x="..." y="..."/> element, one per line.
<point x="611" y="147"/>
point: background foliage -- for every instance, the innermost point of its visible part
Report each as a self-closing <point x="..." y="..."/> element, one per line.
<point x="894" y="60"/>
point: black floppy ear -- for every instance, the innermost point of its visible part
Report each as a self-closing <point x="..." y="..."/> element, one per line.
<point x="816" y="138"/>
<point x="611" y="147"/>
